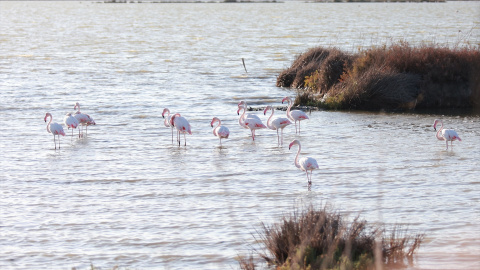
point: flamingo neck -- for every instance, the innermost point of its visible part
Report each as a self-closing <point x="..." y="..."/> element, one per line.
<point x="439" y="137"/>
<point x="241" y="120"/>
<point x="215" y="128"/>
<point x="290" y="104"/>
<point x="49" y="122"/>
<point x="297" y="156"/>
<point x="167" y="119"/>
<point x="269" y="121"/>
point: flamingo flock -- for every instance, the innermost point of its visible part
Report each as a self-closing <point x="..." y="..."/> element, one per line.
<point x="71" y="121"/>
<point x="246" y="120"/>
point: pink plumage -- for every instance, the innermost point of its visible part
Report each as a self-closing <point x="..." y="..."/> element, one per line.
<point x="222" y="132"/>
<point x="295" y="115"/>
<point x="54" y="128"/>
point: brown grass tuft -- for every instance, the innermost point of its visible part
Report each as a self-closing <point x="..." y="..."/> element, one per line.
<point x="396" y="77"/>
<point x="323" y="239"/>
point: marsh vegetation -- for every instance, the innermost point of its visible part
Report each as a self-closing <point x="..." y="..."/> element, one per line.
<point x="322" y="238"/>
<point x="395" y="77"/>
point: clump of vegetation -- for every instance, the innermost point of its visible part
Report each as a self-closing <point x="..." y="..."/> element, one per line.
<point x="396" y="77"/>
<point x="323" y="239"/>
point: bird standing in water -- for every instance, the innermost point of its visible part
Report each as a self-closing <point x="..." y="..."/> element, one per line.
<point x="305" y="163"/>
<point x="220" y="131"/>
<point x="54" y="128"/>
<point x="448" y="135"/>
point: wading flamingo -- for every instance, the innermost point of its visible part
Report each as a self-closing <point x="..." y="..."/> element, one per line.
<point x="448" y="135"/>
<point x="243" y="105"/>
<point x="276" y="123"/>
<point x="83" y="119"/>
<point x="182" y="126"/>
<point x="295" y="115"/>
<point x="250" y="121"/>
<point x="305" y="163"/>
<point x="220" y="131"/>
<point x="168" y="121"/>
<point x="70" y="122"/>
<point x="55" y="129"/>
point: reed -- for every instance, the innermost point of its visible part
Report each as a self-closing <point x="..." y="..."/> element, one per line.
<point x="324" y="239"/>
<point x="399" y="76"/>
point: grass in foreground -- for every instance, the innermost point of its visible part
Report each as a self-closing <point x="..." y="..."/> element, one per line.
<point x="323" y="239"/>
<point x="395" y="77"/>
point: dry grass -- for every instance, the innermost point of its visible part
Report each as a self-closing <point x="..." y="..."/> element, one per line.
<point x="323" y="239"/>
<point x="395" y="77"/>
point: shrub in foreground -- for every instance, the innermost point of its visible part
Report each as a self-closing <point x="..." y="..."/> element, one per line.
<point x="324" y="239"/>
<point x="395" y="77"/>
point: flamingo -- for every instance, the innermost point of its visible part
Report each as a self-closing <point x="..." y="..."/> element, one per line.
<point x="306" y="163"/>
<point x="220" y="131"/>
<point x="277" y="123"/>
<point x="168" y="121"/>
<point x="55" y="129"/>
<point x="182" y="126"/>
<point x="243" y="104"/>
<point x="83" y="119"/>
<point x="447" y="134"/>
<point x="250" y="121"/>
<point x="295" y="115"/>
<point x="70" y="122"/>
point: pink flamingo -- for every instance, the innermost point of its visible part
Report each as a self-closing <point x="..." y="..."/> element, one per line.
<point x="243" y="105"/>
<point x="250" y="121"/>
<point x="182" y="126"/>
<point x="220" y="131"/>
<point x="168" y="121"/>
<point x="83" y="119"/>
<point x="448" y="135"/>
<point x="70" y="121"/>
<point x="295" y="115"/>
<point x="277" y="123"/>
<point x="55" y="129"/>
<point x="306" y="163"/>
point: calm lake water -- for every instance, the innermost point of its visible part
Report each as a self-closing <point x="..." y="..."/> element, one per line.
<point x="126" y="196"/>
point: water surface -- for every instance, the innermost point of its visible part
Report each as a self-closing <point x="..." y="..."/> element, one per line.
<point x="125" y="195"/>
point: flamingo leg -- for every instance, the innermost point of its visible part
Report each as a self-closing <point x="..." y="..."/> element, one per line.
<point x="185" y="138"/>
<point x="447" y="143"/>
<point x="281" y="133"/>
<point x="253" y="134"/>
<point x="55" y="142"/>
<point x="58" y="141"/>
<point x="299" y="122"/>
<point x="172" y="133"/>
<point x="278" y="138"/>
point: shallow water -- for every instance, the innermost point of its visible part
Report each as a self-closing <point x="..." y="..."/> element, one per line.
<point x="125" y="195"/>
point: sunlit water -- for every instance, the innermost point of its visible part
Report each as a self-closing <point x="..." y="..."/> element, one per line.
<point x="126" y="196"/>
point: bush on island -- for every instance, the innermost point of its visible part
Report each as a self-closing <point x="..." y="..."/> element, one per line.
<point x="396" y="77"/>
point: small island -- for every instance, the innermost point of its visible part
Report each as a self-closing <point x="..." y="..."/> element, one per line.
<point x="396" y="77"/>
